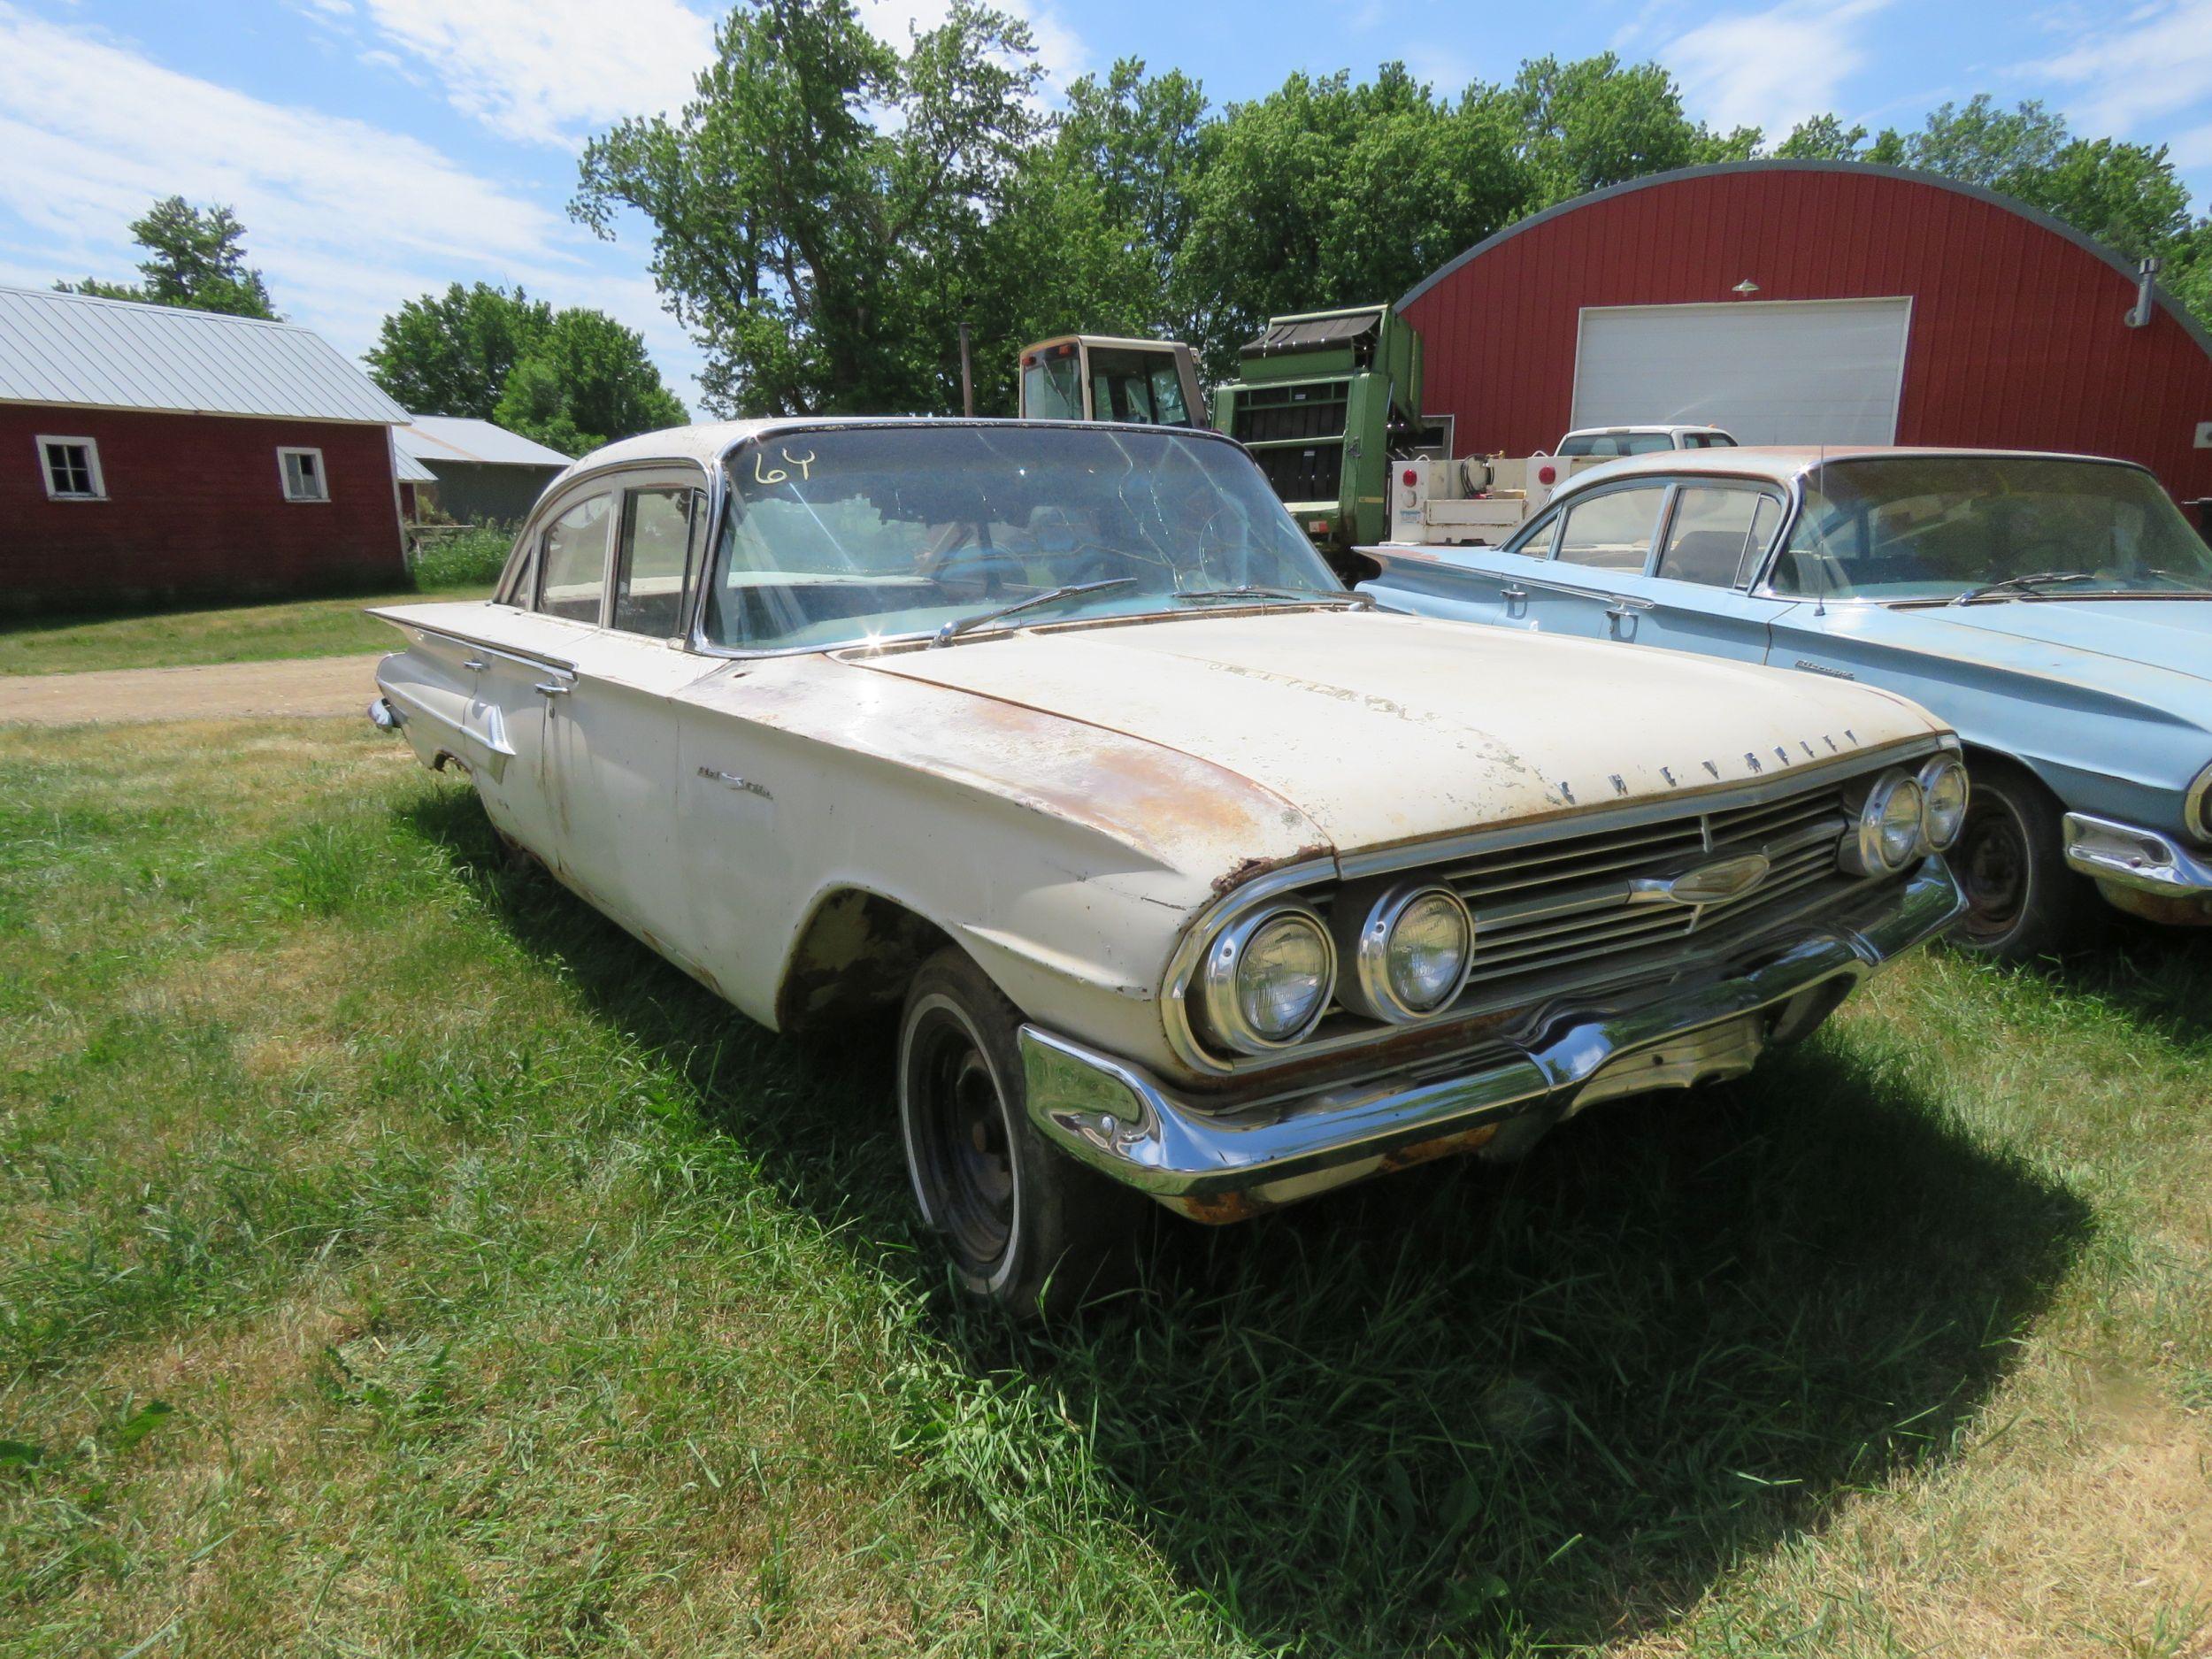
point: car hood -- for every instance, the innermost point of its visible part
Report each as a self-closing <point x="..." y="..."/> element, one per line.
<point x="2171" y="635"/>
<point x="1384" y="728"/>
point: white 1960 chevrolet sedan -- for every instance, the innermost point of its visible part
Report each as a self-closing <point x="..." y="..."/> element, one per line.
<point x="1188" y="872"/>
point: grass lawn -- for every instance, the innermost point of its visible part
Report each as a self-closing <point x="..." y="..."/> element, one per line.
<point x="396" y="1259"/>
<point x="237" y="633"/>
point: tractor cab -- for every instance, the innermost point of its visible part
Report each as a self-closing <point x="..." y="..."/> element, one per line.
<point x="1094" y="376"/>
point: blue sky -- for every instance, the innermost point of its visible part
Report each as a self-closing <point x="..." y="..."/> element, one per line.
<point x="378" y="149"/>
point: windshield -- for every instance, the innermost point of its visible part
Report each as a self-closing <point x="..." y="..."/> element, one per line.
<point x="1613" y="443"/>
<point x="841" y="536"/>
<point x="1141" y="387"/>
<point x="1937" y="528"/>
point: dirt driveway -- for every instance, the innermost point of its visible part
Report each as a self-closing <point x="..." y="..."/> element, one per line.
<point x="294" y="685"/>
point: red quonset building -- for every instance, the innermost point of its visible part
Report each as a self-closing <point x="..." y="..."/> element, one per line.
<point x="148" y="453"/>
<point x="1813" y="302"/>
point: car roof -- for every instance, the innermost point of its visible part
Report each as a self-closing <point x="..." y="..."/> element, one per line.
<point x="1781" y="463"/>
<point x="709" y="442"/>
<point x="1601" y="432"/>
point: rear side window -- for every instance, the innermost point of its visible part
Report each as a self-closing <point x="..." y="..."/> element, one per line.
<point x="572" y="561"/>
<point x="661" y="535"/>
<point x="1716" y="535"/>
<point x="1611" y="532"/>
<point x="1534" y="539"/>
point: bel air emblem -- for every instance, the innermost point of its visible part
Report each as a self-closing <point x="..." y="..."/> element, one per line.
<point x="1708" y="884"/>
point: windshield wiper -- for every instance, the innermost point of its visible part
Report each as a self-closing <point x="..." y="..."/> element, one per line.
<point x="959" y="626"/>
<point x="1303" y="595"/>
<point x="2038" y="578"/>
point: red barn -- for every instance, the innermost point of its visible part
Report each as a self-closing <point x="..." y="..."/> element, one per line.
<point x="152" y="453"/>
<point x="1815" y="301"/>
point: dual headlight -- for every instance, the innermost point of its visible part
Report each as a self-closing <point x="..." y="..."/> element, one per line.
<point x="1266" y="982"/>
<point x="1907" y="816"/>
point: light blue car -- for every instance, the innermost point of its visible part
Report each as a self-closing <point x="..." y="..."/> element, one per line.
<point x="2057" y="610"/>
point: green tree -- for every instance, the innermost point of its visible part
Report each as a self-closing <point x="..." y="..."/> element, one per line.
<point x="1325" y="193"/>
<point x="195" y="261"/>
<point x="451" y="353"/>
<point x="586" y="381"/>
<point x="1596" y="122"/>
<point x="827" y="209"/>
<point x="1823" y="138"/>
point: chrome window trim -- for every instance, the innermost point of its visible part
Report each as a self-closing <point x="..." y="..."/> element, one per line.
<point x="518" y="580"/>
<point x="1177" y="981"/>
<point x="1546" y="520"/>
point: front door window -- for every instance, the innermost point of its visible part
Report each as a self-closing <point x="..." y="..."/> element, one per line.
<point x="653" y="560"/>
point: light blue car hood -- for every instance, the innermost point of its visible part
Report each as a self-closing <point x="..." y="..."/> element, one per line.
<point x="2174" y="635"/>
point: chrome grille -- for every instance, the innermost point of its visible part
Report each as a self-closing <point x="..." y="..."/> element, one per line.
<point x="1547" y="906"/>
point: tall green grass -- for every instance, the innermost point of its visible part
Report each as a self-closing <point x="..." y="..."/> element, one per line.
<point x="397" y="1257"/>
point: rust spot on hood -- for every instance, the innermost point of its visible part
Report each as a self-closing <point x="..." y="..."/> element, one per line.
<point x="1248" y="869"/>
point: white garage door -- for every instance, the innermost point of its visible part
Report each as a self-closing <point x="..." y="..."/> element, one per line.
<point x="1778" y="372"/>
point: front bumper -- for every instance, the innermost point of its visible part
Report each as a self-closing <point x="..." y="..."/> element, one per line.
<point x="2148" y="861"/>
<point x="1219" y="1161"/>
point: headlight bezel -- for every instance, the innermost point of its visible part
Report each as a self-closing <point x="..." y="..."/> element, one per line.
<point x="1369" y="989"/>
<point x="2196" y="806"/>
<point x="1220" y="999"/>
<point x="1938" y="766"/>
<point x="1863" y="852"/>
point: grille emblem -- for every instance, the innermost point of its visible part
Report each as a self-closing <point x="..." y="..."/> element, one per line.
<point x="1708" y="884"/>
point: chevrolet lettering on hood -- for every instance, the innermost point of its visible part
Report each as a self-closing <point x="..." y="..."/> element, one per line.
<point x="1183" y="874"/>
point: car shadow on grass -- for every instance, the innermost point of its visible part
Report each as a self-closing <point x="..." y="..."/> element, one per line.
<point x="2161" y="978"/>
<point x="1470" y="1408"/>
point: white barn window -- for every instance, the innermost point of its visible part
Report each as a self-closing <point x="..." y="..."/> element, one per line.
<point x="302" y="472"/>
<point x="71" y="467"/>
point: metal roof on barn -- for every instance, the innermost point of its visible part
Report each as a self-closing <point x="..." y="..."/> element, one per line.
<point x="76" y="350"/>
<point x="435" y="438"/>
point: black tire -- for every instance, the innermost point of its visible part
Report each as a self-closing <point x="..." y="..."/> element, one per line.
<point x="1025" y="1225"/>
<point x="2023" y="905"/>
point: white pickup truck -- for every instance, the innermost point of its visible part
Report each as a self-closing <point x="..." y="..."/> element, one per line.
<point x="1480" y="500"/>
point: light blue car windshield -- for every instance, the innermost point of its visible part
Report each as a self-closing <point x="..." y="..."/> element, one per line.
<point x="845" y="535"/>
<point x="1932" y="527"/>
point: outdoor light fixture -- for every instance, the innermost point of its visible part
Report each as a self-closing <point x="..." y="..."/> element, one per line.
<point x="1745" y="290"/>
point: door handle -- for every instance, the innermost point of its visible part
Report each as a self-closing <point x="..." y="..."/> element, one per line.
<point x="552" y="688"/>
<point x="1621" y="621"/>
<point x="1513" y="595"/>
<point x="476" y="662"/>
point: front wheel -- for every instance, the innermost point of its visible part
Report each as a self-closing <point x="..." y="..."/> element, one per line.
<point x="2022" y="902"/>
<point x="1026" y="1227"/>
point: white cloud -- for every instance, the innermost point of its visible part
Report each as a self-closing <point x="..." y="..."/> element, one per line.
<point x="556" y="71"/>
<point x="1769" y="69"/>
<point x="2150" y="62"/>
<point x="347" y="219"/>
<point x="550" y="71"/>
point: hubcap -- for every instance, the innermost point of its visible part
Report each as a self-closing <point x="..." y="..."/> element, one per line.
<point x="957" y="1124"/>
<point x="1993" y="865"/>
